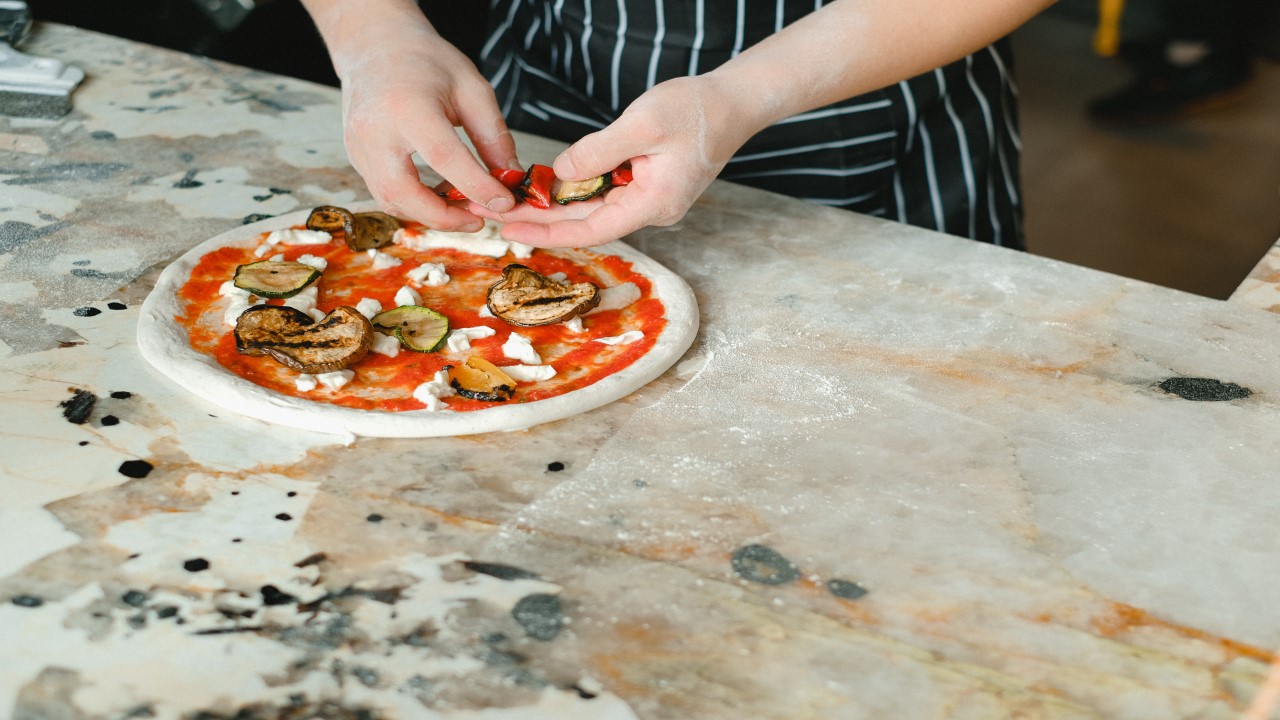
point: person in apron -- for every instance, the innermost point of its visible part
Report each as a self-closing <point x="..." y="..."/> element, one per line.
<point x="779" y="95"/>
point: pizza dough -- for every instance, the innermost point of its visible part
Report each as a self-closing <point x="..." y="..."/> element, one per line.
<point x="165" y="344"/>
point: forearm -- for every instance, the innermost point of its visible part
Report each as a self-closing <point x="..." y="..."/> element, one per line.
<point x="851" y="47"/>
<point x="352" y="28"/>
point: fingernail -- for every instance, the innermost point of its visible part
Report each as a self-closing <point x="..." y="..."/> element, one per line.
<point x="500" y="204"/>
<point x="471" y="227"/>
<point x="514" y="164"/>
<point x="564" y="166"/>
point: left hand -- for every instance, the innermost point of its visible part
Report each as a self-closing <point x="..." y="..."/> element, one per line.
<point x="677" y="137"/>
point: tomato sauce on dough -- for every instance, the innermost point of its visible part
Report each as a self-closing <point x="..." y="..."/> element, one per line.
<point x="385" y="383"/>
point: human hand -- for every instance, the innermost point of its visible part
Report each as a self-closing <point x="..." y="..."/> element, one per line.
<point x="405" y="89"/>
<point x="677" y="137"/>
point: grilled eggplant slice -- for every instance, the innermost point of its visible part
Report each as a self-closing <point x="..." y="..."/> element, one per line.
<point x="480" y="379"/>
<point x="331" y="219"/>
<point x="362" y="231"/>
<point x="291" y="338"/>
<point x="274" y="278"/>
<point x="418" y="328"/>
<point x="371" y="230"/>
<point x="526" y="298"/>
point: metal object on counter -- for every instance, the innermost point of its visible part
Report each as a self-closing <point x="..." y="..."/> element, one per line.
<point x="30" y="86"/>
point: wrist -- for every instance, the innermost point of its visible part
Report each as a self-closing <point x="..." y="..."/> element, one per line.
<point x="353" y="31"/>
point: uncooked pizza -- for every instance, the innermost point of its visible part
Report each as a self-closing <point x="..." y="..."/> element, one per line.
<point x="350" y="321"/>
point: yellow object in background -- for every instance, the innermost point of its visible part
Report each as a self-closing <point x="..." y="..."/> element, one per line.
<point x="1106" y="39"/>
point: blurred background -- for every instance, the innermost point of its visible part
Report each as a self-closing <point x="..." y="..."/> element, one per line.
<point x="1191" y="202"/>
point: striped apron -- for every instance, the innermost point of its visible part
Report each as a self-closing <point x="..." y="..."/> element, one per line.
<point x="940" y="150"/>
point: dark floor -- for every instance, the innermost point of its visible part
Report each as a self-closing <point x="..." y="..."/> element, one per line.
<point x="1191" y="204"/>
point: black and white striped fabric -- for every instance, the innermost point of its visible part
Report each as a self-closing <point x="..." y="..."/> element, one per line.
<point x="940" y="150"/>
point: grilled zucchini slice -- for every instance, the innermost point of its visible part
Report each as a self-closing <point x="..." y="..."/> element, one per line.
<point x="274" y="278"/>
<point x="418" y="328"/>
<point x="567" y="191"/>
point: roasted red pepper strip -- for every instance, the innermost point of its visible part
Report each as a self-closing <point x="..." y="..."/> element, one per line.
<point x="620" y="176"/>
<point x="510" y="179"/>
<point x="536" y="188"/>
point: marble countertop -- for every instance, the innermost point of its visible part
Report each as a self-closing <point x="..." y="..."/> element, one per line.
<point x="898" y="475"/>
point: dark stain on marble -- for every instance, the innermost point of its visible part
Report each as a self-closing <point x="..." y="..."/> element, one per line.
<point x="188" y="181"/>
<point x="271" y="192"/>
<point x="136" y="469"/>
<point x="134" y="598"/>
<point x="386" y="596"/>
<point x="272" y="595"/>
<point x="116" y="305"/>
<point x="151" y="109"/>
<point x="110" y="420"/>
<point x="499" y="570"/>
<point x="764" y="565"/>
<point x="27" y="601"/>
<point x="255" y="217"/>
<point x="284" y="517"/>
<point x="119" y="276"/>
<point x="121" y="394"/>
<point x="312" y="559"/>
<point x="374" y="518"/>
<point x="86" y="311"/>
<point x="1204" y="389"/>
<point x="93" y="172"/>
<point x="540" y="615"/>
<point x="196" y="565"/>
<point x="297" y="708"/>
<point x="76" y="409"/>
<point x="14" y="233"/>
<point x="102" y="135"/>
<point x="845" y="589"/>
<point x="556" y="466"/>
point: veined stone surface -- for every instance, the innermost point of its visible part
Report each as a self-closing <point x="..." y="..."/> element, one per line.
<point x="899" y="474"/>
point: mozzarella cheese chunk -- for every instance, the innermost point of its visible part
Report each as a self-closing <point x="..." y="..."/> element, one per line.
<point x="368" y="307"/>
<point x="616" y="297"/>
<point x="229" y="288"/>
<point x="625" y="338"/>
<point x="291" y="236"/>
<point x="429" y="274"/>
<point x="529" y="373"/>
<point x="486" y="312"/>
<point x="518" y="347"/>
<point x="459" y="339"/>
<point x="407" y="296"/>
<point x="487" y="242"/>
<point x="236" y="306"/>
<point x="318" y="263"/>
<point x="337" y="379"/>
<point x="574" y="324"/>
<point x="388" y="345"/>
<point x="430" y="393"/>
<point x="305" y="300"/>
<point x="305" y="382"/>
<point x="381" y="260"/>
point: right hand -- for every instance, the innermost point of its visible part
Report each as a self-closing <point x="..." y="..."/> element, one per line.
<point x="404" y="90"/>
